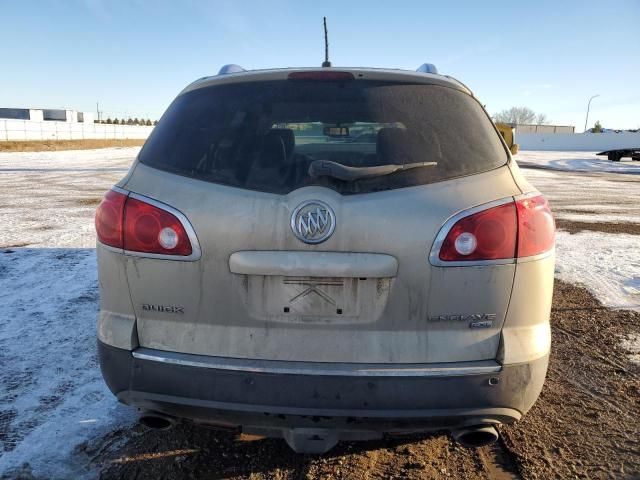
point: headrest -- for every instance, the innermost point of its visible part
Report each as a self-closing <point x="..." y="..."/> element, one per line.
<point x="395" y="145"/>
<point x="287" y="137"/>
<point x="277" y="148"/>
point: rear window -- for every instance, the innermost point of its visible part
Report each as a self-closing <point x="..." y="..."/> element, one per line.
<point x="265" y="135"/>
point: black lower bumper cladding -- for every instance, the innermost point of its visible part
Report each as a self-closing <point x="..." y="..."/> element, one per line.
<point x="389" y="404"/>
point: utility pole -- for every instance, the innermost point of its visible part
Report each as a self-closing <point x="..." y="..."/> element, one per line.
<point x="586" y="120"/>
<point x="98" y="111"/>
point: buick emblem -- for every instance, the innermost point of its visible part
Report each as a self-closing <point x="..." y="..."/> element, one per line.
<point x="313" y="221"/>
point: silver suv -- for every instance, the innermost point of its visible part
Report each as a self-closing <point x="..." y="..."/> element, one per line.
<point x="326" y="254"/>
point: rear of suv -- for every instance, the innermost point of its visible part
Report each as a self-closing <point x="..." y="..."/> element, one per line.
<point x="326" y="254"/>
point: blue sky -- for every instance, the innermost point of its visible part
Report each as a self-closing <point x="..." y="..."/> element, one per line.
<point x="134" y="57"/>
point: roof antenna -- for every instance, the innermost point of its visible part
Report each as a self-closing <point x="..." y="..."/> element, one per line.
<point x="326" y="62"/>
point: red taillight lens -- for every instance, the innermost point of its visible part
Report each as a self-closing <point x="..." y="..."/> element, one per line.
<point x="150" y="229"/>
<point x="487" y="235"/>
<point x="514" y="230"/>
<point x="132" y="224"/>
<point x="536" y="227"/>
<point x="109" y="217"/>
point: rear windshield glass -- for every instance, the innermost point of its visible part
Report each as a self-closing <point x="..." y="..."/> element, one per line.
<point x="266" y="135"/>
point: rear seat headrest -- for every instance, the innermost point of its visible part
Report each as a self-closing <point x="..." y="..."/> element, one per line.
<point x="395" y="145"/>
<point x="287" y="137"/>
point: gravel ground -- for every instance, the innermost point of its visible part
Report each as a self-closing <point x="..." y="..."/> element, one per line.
<point x="196" y="452"/>
<point x="585" y="424"/>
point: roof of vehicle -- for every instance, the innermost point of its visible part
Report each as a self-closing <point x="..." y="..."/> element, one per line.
<point x="359" y="73"/>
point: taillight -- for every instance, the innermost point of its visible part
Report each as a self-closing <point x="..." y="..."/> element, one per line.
<point x="109" y="216"/>
<point x="487" y="235"/>
<point x="519" y="229"/>
<point x="536" y="227"/>
<point x="136" y="225"/>
<point x="150" y="229"/>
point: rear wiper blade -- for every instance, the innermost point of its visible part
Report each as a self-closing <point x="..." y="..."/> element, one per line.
<point x="319" y="168"/>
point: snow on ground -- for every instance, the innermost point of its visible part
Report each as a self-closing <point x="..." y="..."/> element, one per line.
<point x="631" y="343"/>
<point x="52" y="397"/>
<point x="608" y="265"/>
<point x="576" y="162"/>
<point x="582" y="187"/>
<point x="581" y="197"/>
<point x="47" y="197"/>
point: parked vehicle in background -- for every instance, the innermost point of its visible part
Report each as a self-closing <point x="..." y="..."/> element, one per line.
<point x="283" y="284"/>
<point x="619" y="154"/>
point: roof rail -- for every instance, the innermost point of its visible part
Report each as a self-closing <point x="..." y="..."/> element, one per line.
<point x="427" y="68"/>
<point x="231" y="68"/>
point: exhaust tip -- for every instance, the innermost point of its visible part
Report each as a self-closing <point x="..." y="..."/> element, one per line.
<point x="474" y="437"/>
<point x="155" y="421"/>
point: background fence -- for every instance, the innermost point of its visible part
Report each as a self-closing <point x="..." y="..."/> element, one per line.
<point x="588" y="142"/>
<point x="52" y="130"/>
<point x="544" y="129"/>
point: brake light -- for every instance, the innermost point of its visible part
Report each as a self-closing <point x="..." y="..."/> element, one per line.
<point x="513" y="230"/>
<point x="322" y="76"/>
<point x="487" y="235"/>
<point x="109" y="216"/>
<point x="536" y="227"/>
<point x="135" y="225"/>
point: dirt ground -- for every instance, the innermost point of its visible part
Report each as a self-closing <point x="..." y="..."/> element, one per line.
<point x="607" y="227"/>
<point x="49" y="145"/>
<point x="585" y="425"/>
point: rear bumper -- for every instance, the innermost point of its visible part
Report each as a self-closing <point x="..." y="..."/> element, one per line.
<point x="393" y="401"/>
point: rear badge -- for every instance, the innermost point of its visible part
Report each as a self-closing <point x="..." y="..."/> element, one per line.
<point x="476" y="320"/>
<point x="313" y="221"/>
<point x="481" y="324"/>
<point x="162" y="308"/>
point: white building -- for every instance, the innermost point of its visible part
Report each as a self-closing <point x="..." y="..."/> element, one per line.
<point x="46" y="114"/>
<point x="22" y="124"/>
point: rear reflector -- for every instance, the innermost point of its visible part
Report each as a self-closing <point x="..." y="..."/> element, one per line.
<point x="137" y="226"/>
<point x="322" y="76"/>
<point x="519" y="229"/>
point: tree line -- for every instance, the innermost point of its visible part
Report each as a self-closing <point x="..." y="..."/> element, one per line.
<point x="128" y="121"/>
<point x="521" y="116"/>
